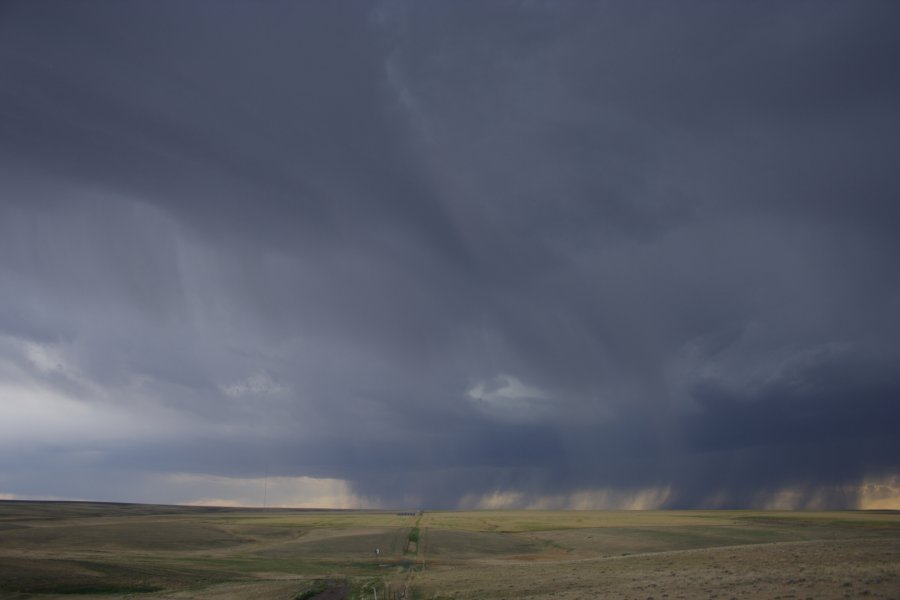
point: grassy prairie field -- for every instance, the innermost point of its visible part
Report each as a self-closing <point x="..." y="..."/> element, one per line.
<point x="54" y="550"/>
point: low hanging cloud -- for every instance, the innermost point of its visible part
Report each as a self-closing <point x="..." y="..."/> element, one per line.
<point x="258" y="384"/>
<point x="506" y="398"/>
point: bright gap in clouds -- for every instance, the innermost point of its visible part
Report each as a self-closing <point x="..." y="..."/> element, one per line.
<point x="508" y="399"/>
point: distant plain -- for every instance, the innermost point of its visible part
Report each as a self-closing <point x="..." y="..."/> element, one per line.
<point x="54" y="550"/>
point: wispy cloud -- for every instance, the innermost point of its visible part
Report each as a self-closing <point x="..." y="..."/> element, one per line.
<point x="506" y="398"/>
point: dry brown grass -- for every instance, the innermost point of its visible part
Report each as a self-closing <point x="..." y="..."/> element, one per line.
<point x="53" y="550"/>
<point x="816" y="569"/>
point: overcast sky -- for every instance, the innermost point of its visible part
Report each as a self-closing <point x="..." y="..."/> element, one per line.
<point x="451" y="253"/>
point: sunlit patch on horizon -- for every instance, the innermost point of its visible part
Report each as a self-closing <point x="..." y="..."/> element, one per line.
<point x="42" y="498"/>
<point x="881" y="494"/>
<point x="276" y="492"/>
<point x="651" y="498"/>
<point x="800" y="498"/>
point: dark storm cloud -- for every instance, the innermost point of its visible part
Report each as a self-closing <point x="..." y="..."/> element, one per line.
<point x="443" y="250"/>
